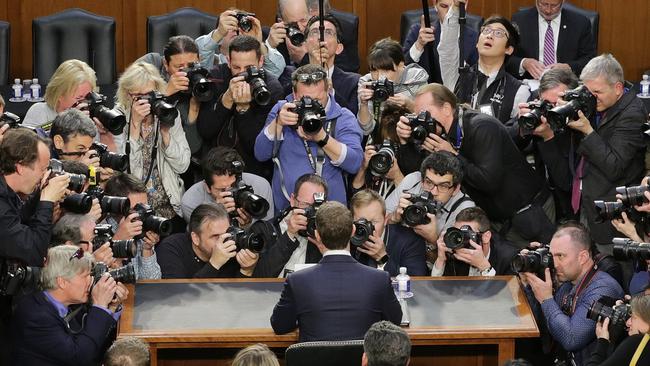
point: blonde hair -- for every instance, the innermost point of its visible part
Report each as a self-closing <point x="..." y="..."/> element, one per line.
<point x="255" y="355"/>
<point x="66" y="79"/>
<point x="60" y="263"/>
<point x="136" y="75"/>
<point x="641" y="307"/>
<point x="440" y="93"/>
<point x="364" y="198"/>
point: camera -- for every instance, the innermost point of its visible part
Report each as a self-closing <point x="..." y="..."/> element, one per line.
<point x="607" y="211"/>
<point x="535" y="261"/>
<point x="422" y="204"/>
<point x="246" y="198"/>
<point x="120" y="248"/>
<point x="200" y="87"/>
<point x="255" y="77"/>
<point x="382" y="161"/>
<point x="124" y="274"/>
<point x="161" y="108"/>
<point x="245" y="239"/>
<point x="77" y="181"/>
<point x="109" y="159"/>
<point x="633" y="196"/>
<point x="111" y="119"/>
<point x="110" y="204"/>
<point x="578" y="99"/>
<point x="625" y="249"/>
<point x="244" y="21"/>
<point x="459" y="238"/>
<point x="617" y="314"/>
<point x="79" y="203"/>
<point x="310" y="214"/>
<point x="151" y="222"/>
<point x="422" y="125"/>
<point x="362" y="230"/>
<point x="15" y="276"/>
<point x="8" y="118"/>
<point x="311" y="115"/>
<point x="382" y="89"/>
<point x="532" y="119"/>
<point x="294" y="34"/>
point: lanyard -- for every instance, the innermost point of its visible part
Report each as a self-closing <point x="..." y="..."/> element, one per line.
<point x="319" y="161"/>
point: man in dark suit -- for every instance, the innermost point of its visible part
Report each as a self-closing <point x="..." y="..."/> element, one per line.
<point x="389" y="247"/>
<point x="339" y="298"/>
<point x="47" y="331"/>
<point x="551" y="37"/>
<point x="486" y="255"/>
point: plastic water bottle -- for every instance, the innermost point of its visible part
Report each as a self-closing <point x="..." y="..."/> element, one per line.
<point x="36" y="91"/>
<point x="27" y="92"/>
<point x="645" y="87"/>
<point x="18" y="92"/>
<point x="404" y="284"/>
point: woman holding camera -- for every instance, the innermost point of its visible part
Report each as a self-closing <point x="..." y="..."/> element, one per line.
<point x="155" y="141"/>
<point x="634" y="350"/>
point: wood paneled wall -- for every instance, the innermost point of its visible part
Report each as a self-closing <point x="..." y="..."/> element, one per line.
<point x="624" y="27"/>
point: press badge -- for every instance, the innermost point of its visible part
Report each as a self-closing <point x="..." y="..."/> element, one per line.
<point x="486" y="109"/>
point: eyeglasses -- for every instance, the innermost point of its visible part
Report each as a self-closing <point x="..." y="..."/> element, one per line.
<point x="443" y="187"/>
<point x="496" y="32"/>
<point x="78" y="254"/>
<point x="302" y="204"/>
<point x="315" y="33"/>
<point x="313" y="77"/>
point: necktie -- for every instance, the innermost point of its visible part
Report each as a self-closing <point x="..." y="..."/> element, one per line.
<point x="575" y="191"/>
<point x="549" y="45"/>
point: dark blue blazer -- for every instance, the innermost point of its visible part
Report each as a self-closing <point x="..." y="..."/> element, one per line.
<point x="337" y="299"/>
<point x="469" y="49"/>
<point x="345" y="89"/>
<point x="405" y="249"/>
<point x="41" y="337"/>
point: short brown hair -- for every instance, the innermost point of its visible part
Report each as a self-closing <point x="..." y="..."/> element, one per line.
<point x="364" y="198"/>
<point x="474" y="214"/>
<point x="440" y="93"/>
<point x="19" y="146"/>
<point x="128" y="351"/>
<point x="334" y="225"/>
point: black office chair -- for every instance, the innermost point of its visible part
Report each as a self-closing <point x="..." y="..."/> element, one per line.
<point x="74" y="34"/>
<point x="184" y="21"/>
<point x="348" y="60"/>
<point x="411" y="17"/>
<point x="5" y="36"/>
<point x="325" y="353"/>
<point x="593" y="16"/>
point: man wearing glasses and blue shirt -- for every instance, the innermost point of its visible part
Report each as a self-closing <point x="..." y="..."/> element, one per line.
<point x="330" y="149"/>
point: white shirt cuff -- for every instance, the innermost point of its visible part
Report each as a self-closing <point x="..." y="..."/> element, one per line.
<point x="521" y="67"/>
<point x="415" y="53"/>
<point x="341" y="159"/>
<point x="270" y="137"/>
<point x="435" y="272"/>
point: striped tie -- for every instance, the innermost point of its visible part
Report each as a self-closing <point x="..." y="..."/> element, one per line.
<point x="549" y="45"/>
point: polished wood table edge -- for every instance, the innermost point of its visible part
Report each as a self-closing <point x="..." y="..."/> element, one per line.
<point x="273" y="279"/>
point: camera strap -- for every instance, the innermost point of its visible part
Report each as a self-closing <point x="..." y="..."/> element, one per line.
<point x="318" y="163"/>
<point x="584" y="282"/>
<point x="639" y="350"/>
<point x="154" y="152"/>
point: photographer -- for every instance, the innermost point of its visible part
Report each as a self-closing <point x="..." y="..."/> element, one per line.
<point x="564" y="310"/>
<point x="319" y="137"/>
<point x="634" y="350"/>
<point x="207" y="250"/>
<point x="241" y="101"/>
<point x="131" y="226"/>
<point x="496" y="175"/>
<point x="387" y="247"/>
<point x="44" y="333"/>
<point x="386" y="65"/>
<point x="222" y="171"/>
<point x="609" y="150"/>
<point x="285" y="247"/>
<point x="79" y="230"/>
<point x="155" y="142"/>
<point x="481" y="253"/>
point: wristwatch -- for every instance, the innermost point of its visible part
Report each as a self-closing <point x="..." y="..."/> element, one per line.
<point x="383" y="260"/>
<point x="324" y="141"/>
<point x="486" y="272"/>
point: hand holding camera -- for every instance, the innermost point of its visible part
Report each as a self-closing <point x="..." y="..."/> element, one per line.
<point x="55" y="188"/>
<point x="582" y="124"/>
<point x="374" y="247"/>
<point x="178" y="82"/>
<point x="139" y="111"/>
<point x="104" y="253"/>
<point x="129" y="227"/>
<point x="602" y="329"/>
<point x="239" y="92"/>
<point x="247" y="260"/>
<point x="121" y="293"/>
<point x="227" y="22"/>
<point x="104" y="290"/>
<point x="287" y="115"/>
<point x="296" y="223"/>
<point x="223" y="250"/>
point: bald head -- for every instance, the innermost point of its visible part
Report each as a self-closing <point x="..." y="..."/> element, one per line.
<point x="577" y="234"/>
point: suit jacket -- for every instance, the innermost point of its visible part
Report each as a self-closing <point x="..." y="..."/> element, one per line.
<point x="404" y="248"/>
<point x="41" y="336"/>
<point x="338" y="299"/>
<point x="501" y="255"/>
<point x="345" y="89"/>
<point x="575" y="44"/>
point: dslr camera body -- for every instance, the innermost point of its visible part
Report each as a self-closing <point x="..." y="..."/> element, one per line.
<point x="311" y="115"/>
<point x="109" y="159"/>
<point x="255" y="78"/>
<point x="8" y="118"/>
<point x="382" y="89"/>
<point x="310" y="214"/>
<point x="456" y="238"/>
<point x="112" y="120"/>
<point x="617" y="314"/>
<point x="422" y="124"/>
<point x="123" y="275"/>
<point x="578" y="99"/>
<point x="421" y="204"/>
<point x="200" y="86"/>
<point x="77" y="181"/>
<point x="165" y="112"/>
<point x="16" y="278"/>
<point x="121" y="248"/>
<point x="151" y="222"/>
<point x="531" y="120"/>
<point x="245" y="239"/>
<point x="245" y="197"/>
<point x="362" y="230"/>
<point x="535" y="261"/>
<point x="244" y="21"/>
<point x="382" y="161"/>
<point x="296" y="37"/>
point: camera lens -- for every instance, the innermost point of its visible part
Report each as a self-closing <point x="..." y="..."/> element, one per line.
<point x="607" y="211"/>
<point x="311" y="123"/>
<point x="530" y="120"/>
<point x="124" y="274"/>
<point x="77" y="182"/>
<point x="79" y="203"/>
<point x="165" y="112"/>
<point x="362" y="231"/>
<point x="454" y="238"/>
<point x="118" y="162"/>
<point x="296" y="37"/>
<point x="381" y="162"/>
<point x="260" y="92"/>
<point x="111" y="119"/>
<point x="251" y="241"/>
<point x="199" y="85"/>
<point x="124" y="248"/>
<point x="159" y="225"/>
<point x="116" y="205"/>
<point x="416" y="214"/>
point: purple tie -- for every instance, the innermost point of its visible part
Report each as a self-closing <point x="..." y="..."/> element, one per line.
<point x="549" y="45"/>
<point x="575" y="191"/>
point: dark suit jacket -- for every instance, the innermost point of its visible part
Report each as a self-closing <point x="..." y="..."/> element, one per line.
<point x="405" y="249"/>
<point x="338" y="299"/>
<point x="345" y="89"/>
<point x="575" y="45"/>
<point x="501" y="255"/>
<point x="41" y="337"/>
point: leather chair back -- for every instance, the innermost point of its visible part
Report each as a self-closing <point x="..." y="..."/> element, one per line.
<point x="74" y="34"/>
<point x="184" y="21"/>
<point x="5" y="36"/>
<point x="340" y="353"/>
<point x="348" y="60"/>
<point x="411" y="17"/>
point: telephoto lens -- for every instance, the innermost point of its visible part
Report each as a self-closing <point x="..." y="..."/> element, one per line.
<point x="617" y="314"/>
<point x="625" y="249"/>
<point x="535" y="261"/>
<point x="151" y="222"/>
<point x="633" y="196"/>
<point x="79" y="203"/>
<point x="112" y="120"/>
<point x="125" y="275"/>
<point x="246" y="240"/>
<point x="607" y="211"/>
<point x="244" y="196"/>
<point x="124" y="248"/>
<point x="255" y="77"/>
<point x="311" y="115"/>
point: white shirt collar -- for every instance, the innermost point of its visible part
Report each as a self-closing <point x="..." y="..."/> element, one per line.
<point x="554" y="22"/>
<point x="337" y="252"/>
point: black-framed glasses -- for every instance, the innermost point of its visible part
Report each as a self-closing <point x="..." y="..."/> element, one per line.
<point x="78" y="254"/>
<point x="313" y="77"/>
<point x="443" y="187"/>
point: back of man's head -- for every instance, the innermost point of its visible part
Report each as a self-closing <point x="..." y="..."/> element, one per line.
<point x="334" y="225"/>
<point x="129" y="351"/>
<point x="386" y="344"/>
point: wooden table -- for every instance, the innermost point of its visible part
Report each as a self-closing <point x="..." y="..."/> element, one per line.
<point x="467" y="316"/>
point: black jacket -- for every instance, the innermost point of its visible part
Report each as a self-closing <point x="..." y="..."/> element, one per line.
<point x="345" y="89"/>
<point x="25" y="228"/>
<point x="219" y="126"/>
<point x="501" y="255"/>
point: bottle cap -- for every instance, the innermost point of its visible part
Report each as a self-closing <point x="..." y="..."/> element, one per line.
<point x="16" y="81"/>
<point x="645" y="77"/>
<point x="35" y="81"/>
<point x="402" y="270"/>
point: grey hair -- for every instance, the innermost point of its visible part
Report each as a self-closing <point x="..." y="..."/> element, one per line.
<point x="128" y="351"/>
<point x="386" y="344"/>
<point x="60" y="264"/>
<point x="72" y="122"/>
<point x="206" y="212"/>
<point x="555" y="77"/>
<point x="282" y="4"/>
<point x="605" y="66"/>
<point x="312" y="5"/>
<point x="68" y="228"/>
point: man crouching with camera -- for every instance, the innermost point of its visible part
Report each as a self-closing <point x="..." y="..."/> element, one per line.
<point x="49" y="329"/>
